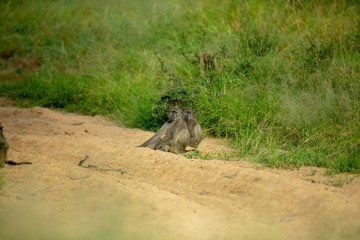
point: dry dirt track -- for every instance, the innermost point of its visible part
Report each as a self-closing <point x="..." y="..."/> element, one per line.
<point x="161" y="195"/>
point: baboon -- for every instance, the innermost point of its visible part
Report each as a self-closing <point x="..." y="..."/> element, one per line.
<point x="173" y="136"/>
<point x="193" y="126"/>
<point x="4" y="146"/>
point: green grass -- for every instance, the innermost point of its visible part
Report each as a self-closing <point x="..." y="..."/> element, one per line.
<point x="199" y="155"/>
<point x="195" y="153"/>
<point x="341" y="182"/>
<point x="280" y="78"/>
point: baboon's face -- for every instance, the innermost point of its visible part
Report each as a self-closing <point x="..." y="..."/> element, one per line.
<point x="174" y="113"/>
<point x="188" y="113"/>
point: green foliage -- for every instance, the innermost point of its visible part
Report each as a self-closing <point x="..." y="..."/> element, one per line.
<point x="196" y="154"/>
<point x="341" y="182"/>
<point x="278" y="78"/>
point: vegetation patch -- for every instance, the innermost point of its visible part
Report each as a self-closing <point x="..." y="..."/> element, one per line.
<point x="279" y="79"/>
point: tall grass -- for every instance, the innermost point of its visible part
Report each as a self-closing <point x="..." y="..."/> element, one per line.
<point x="280" y="79"/>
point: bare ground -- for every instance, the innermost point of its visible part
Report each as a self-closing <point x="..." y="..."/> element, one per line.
<point x="156" y="195"/>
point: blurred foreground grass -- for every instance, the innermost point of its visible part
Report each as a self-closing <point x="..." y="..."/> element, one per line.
<point x="279" y="79"/>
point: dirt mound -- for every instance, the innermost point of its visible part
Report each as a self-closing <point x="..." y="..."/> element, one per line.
<point x="137" y="193"/>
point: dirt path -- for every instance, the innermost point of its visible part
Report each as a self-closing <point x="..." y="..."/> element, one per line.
<point x="161" y="195"/>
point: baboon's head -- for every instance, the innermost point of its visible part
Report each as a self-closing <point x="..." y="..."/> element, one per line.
<point x="174" y="113"/>
<point x="188" y="113"/>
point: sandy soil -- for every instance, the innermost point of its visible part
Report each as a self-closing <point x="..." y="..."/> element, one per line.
<point x="160" y="195"/>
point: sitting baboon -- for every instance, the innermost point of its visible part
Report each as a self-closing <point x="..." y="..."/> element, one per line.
<point x="4" y="146"/>
<point x="173" y="136"/>
<point x="193" y="126"/>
